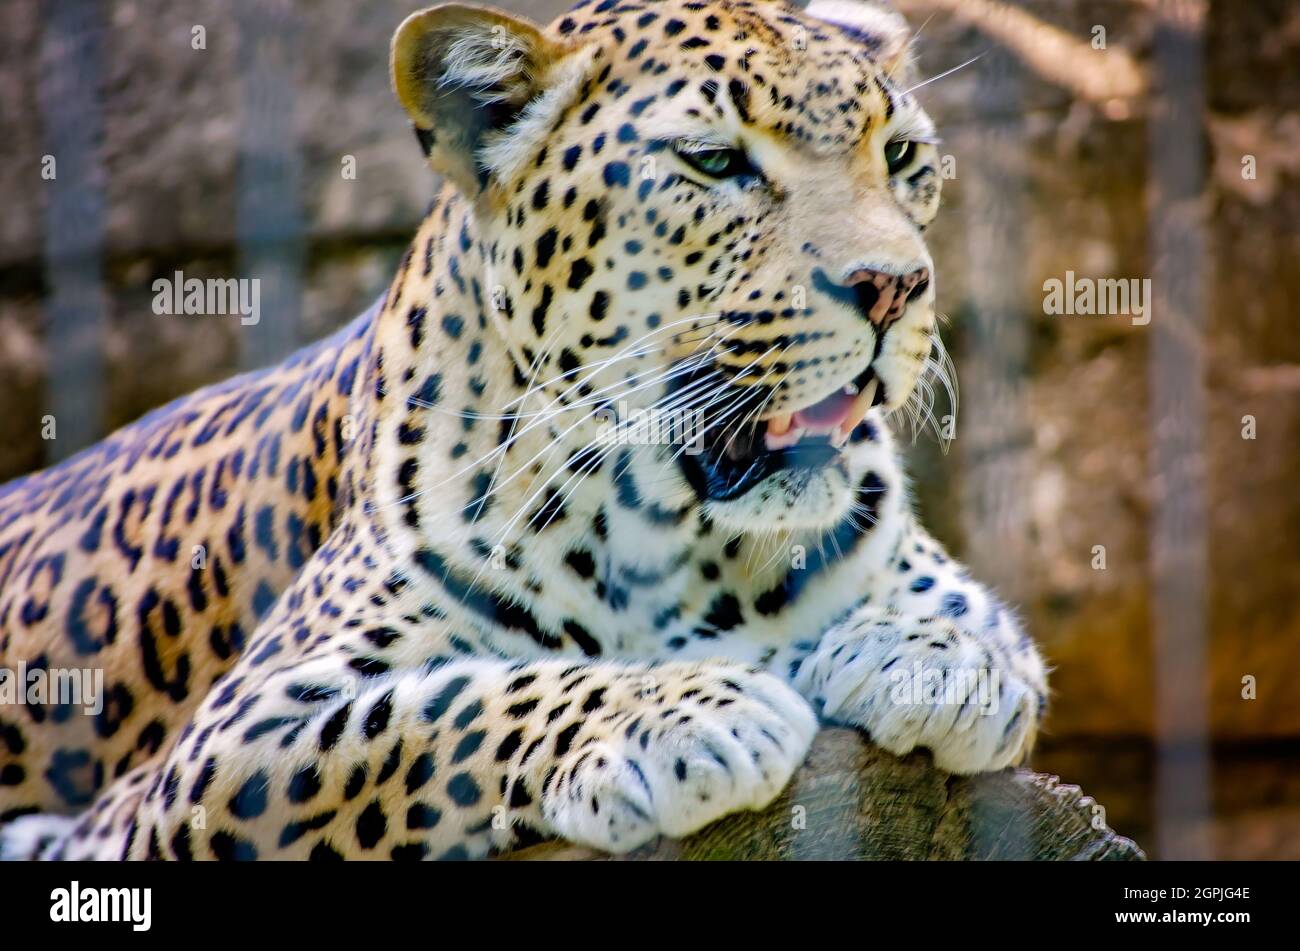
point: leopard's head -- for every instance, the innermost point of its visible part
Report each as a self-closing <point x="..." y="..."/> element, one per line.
<point x="714" y="210"/>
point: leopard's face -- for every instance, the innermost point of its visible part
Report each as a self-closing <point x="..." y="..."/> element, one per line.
<point x="718" y="216"/>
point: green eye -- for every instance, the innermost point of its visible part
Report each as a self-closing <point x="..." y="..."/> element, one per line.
<point x="717" y="162"/>
<point x="899" y="154"/>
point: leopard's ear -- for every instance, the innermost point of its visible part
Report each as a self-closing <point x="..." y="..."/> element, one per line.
<point x="466" y="76"/>
<point x="880" y="26"/>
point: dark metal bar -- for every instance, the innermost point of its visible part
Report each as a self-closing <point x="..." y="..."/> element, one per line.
<point x="269" y="202"/>
<point x="72" y="51"/>
<point x="993" y="431"/>
<point x="1176" y="369"/>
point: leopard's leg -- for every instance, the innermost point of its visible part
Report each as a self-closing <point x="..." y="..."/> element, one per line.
<point x="34" y="837"/>
<point x="464" y="759"/>
<point x="930" y="659"/>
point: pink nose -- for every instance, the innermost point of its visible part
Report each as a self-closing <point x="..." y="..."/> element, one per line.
<point x="883" y="297"/>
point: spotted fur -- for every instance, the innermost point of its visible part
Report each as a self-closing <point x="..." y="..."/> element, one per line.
<point x="400" y="598"/>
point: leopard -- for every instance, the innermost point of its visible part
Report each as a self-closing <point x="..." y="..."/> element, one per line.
<point x="585" y="528"/>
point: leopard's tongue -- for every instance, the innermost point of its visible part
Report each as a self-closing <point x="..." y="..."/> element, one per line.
<point x="836" y="416"/>
<point x="827" y="414"/>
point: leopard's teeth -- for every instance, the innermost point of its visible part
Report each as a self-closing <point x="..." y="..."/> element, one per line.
<point x="850" y="389"/>
<point x="857" y="412"/>
<point x="784" y="440"/>
<point x="780" y="425"/>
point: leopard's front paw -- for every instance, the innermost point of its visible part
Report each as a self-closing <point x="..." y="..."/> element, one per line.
<point x="693" y="749"/>
<point x="924" y="683"/>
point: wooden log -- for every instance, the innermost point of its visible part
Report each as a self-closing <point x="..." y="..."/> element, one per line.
<point x="851" y="800"/>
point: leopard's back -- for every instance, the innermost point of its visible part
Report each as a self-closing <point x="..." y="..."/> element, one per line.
<point x="132" y="574"/>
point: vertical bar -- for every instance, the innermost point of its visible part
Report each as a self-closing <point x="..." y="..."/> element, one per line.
<point x="1176" y="176"/>
<point x="72" y="56"/>
<point x="268" y="192"/>
<point x="993" y="432"/>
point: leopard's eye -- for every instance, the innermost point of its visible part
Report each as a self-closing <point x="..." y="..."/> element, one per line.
<point x="899" y="154"/>
<point x="717" y="162"/>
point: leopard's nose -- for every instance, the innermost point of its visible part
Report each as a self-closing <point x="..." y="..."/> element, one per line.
<point x="882" y="297"/>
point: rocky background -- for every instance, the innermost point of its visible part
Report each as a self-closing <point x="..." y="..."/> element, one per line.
<point x="219" y="137"/>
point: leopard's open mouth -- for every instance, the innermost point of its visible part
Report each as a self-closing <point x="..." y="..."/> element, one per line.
<point x="732" y="461"/>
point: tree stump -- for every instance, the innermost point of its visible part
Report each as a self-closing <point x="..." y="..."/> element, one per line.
<point x="852" y="800"/>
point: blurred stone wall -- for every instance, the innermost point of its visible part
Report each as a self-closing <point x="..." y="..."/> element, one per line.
<point x="170" y="156"/>
<point x="1085" y="174"/>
